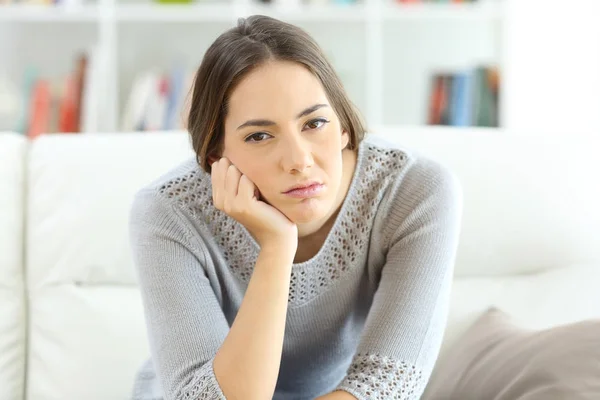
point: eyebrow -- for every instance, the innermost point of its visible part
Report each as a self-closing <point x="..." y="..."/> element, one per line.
<point x="266" y="122"/>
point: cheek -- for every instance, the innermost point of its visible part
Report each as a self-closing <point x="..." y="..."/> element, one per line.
<point x="247" y="165"/>
<point x="335" y="169"/>
<point x="330" y="152"/>
<point x="256" y="172"/>
<point x="331" y="165"/>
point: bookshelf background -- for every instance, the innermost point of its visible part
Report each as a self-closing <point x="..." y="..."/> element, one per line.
<point x="385" y="51"/>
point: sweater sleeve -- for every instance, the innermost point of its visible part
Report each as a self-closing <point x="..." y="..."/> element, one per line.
<point x="403" y="331"/>
<point x="184" y="321"/>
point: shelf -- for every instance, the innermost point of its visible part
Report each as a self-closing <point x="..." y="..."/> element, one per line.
<point x="316" y="13"/>
<point x="154" y="12"/>
<point x="175" y="12"/>
<point x="43" y="13"/>
<point x="310" y="13"/>
<point x="486" y="10"/>
<point x="229" y="13"/>
<point x="385" y="130"/>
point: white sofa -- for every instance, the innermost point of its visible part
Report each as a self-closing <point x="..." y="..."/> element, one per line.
<point x="71" y="321"/>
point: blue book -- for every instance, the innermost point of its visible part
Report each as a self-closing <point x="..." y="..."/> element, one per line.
<point x="31" y="75"/>
<point x="461" y="99"/>
<point x="173" y="104"/>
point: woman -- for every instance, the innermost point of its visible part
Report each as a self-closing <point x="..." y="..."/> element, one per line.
<point x="290" y="259"/>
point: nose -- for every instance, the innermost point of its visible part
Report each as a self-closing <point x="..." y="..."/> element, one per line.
<point x="297" y="154"/>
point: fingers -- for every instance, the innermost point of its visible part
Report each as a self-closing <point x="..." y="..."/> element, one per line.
<point x="247" y="189"/>
<point x="217" y="177"/>
<point x="229" y="186"/>
<point x="232" y="181"/>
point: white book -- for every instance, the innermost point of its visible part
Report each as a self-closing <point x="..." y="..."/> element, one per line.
<point x="90" y="94"/>
<point x="135" y="111"/>
<point x="156" y="106"/>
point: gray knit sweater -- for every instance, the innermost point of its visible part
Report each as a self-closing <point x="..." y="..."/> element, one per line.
<point x="365" y="315"/>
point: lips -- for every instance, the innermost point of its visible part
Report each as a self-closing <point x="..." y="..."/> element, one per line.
<point x="306" y="190"/>
<point x="301" y="186"/>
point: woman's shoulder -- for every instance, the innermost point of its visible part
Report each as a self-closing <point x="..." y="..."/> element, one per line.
<point x="174" y="183"/>
<point x="407" y="167"/>
<point x="375" y="145"/>
<point x="180" y="187"/>
<point x="415" y="181"/>
<point x="391" y="176"/>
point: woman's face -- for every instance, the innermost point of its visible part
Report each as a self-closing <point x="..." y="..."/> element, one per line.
<point x="281" y="132"/>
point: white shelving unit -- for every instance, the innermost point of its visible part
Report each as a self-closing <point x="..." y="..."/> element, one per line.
<point x="42" y="13"/>
<point x="138" y="11"/>
<point x="384" y="51"/>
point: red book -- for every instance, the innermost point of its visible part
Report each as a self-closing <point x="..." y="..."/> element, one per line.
<point x="437" y="101"/>
<point x="40" y="109"/>
<point x="79" y="79"/>
<point x="67" y="121"/>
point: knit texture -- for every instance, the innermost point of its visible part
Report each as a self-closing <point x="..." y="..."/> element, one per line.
<point x="366" y="314"/>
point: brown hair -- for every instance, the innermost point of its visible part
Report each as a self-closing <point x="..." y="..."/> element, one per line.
<point x="254" y="41"/>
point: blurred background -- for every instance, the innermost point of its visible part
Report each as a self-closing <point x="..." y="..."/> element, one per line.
<point x="123" y="65"/>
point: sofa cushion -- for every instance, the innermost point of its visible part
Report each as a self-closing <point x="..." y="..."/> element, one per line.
<point x="13" y="319"/>
<point x="499" y="360"/>
<point x="541" y="300"/>
<point x="538" y="300"/>
<point x="87" y="333"/>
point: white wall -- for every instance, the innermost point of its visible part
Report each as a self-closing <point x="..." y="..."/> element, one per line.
<point x="553" y="65"/>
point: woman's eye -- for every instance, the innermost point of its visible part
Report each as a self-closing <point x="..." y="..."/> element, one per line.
<point x="257" y="137"/>
<point x="317" y="123"/>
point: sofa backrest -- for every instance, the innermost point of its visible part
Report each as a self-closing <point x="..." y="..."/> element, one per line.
<point x="87" y="333"/>
<point x="13" y="318"/>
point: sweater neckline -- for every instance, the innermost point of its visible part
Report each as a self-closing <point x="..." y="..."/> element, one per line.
<point x="326" y="247"/>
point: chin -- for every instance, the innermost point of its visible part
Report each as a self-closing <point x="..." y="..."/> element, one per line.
<point x="307" y="211"/>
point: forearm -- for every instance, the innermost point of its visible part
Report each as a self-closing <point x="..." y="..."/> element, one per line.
<point x="247" y="364"/>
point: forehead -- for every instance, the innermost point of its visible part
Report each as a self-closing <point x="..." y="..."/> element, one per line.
<point x="278" y="88"/>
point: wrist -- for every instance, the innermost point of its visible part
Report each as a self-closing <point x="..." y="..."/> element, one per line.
<point x="286" y="250"/>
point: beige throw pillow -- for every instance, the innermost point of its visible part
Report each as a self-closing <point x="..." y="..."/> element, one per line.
<point x="497" y="360"/>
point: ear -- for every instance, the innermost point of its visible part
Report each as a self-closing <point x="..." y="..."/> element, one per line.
<point x="345" y="139"/>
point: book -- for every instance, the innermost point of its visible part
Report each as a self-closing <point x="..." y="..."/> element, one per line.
<point x="40" y="109"/>
<point x="460" y="114"/>
<point x="89" y="111"/>
<point x="29" y="80"/>
<point x="467" y="97"/>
